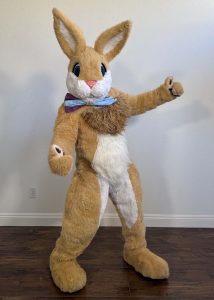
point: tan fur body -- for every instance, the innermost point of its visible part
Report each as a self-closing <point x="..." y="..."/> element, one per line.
<point x="103" y="166"/>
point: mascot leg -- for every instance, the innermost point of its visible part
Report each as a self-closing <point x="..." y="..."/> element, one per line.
<point x="127" y="197"/>
<point x="80" y="223"/>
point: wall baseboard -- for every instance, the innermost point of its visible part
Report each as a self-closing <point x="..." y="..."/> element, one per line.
<point x="110" y="219"/>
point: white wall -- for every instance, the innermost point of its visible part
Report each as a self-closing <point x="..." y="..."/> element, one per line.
<point x="173" y="145"/>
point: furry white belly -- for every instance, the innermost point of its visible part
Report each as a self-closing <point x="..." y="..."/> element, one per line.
<point x="111" y="158"/>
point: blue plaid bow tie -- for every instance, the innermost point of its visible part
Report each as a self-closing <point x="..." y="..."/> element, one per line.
<point x="72" y="103"/>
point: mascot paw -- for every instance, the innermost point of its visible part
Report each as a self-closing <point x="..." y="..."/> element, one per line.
<point x="175" y="88"/>
<point x="68" y="276"/>
<point x="147" y="263"/>
<point x="60" y="163"/>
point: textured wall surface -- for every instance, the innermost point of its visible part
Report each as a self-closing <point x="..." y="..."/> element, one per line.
<point x="173" y="145"/>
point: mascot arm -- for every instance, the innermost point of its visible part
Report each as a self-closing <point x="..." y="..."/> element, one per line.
<point x="141" y="103"/>
<point x="63" y="142"/>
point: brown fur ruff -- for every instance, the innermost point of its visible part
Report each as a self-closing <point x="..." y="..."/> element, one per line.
<point x="109" y="119"/>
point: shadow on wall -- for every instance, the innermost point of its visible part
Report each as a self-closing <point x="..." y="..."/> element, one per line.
<point x="26" y="121"/>
<point x="152" y="146"/>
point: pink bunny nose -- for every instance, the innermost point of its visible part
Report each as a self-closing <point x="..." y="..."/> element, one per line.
<point x="91" y="83"/>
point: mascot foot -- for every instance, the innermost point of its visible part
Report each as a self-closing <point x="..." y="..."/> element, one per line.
<point x="147" y="263"/>
<point x="67" y="275"/>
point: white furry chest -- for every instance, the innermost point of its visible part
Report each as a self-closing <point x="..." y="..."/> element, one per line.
<point x="111" y="158"/>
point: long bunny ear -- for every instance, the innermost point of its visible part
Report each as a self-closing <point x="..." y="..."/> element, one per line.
<point x="68" y="34"/>
<point x="111" y="41"/>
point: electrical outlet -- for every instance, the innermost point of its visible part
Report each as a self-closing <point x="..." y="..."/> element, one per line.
<point x="33" y="192"/>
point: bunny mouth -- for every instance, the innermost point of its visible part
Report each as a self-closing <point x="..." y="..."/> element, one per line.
<point x="81" y="90"/>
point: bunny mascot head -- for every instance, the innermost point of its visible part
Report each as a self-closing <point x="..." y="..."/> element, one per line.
<point x="91" y="120"/>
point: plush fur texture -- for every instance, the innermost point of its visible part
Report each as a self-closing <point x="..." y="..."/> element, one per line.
<point x="111" y="41"/>
<point x="135" y="251"/>
<point x="108" y="120"/>
<point x="104" y="194"/>
<point x="103" y="165"/>
<point x="68" y="34"/>
<point x="80" y="223"/>
<point x="123" y="196"/>
<point x="111" y="158"/>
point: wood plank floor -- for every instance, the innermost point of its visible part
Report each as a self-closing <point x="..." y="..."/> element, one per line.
<point x="24" y="272"/>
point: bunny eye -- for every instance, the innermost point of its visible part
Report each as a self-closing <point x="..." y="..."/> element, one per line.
<point x="103" y="69"/>
<point x="76" y="69"/>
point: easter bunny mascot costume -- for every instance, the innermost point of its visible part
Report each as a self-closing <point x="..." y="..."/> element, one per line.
<point x="92" y="120"/>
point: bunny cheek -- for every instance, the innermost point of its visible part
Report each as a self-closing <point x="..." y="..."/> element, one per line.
<point x="80" y="89"/>
<point x="76" y="87"/>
